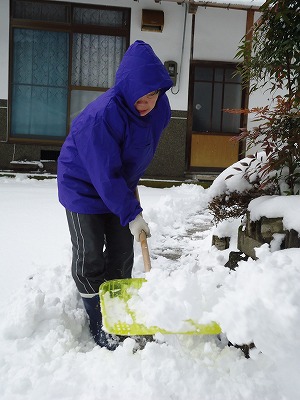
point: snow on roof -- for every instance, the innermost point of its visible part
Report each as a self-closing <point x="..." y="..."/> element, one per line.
<point x="232" y="4"/>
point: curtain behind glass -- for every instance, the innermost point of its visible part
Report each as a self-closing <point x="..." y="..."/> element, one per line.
<point x="96" y="59"/>
<point x="92" y="16"/>
<point x="39" y="83"/>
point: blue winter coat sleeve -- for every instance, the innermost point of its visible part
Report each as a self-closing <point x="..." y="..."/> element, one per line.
<point x="100" y="150"/>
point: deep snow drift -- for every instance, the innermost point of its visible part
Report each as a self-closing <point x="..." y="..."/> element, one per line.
<point x="46" y="351"/>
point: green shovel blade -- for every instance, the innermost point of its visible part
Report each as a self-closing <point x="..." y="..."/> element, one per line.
<point x="119" y="319"/>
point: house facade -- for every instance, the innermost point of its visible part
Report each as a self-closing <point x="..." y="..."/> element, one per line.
<point x="57" y="56"/>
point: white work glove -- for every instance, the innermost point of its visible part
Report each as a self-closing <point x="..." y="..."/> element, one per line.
<point x="137" y="226"/>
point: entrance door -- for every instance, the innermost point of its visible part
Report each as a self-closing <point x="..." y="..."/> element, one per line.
<point x="214" y="87"/>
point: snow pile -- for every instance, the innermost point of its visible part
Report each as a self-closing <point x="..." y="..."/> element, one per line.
<point x="287" y="207"/>
<point x="233" y="179"/>
<point x="45" y="347"/>
<point x="245" y="3"/>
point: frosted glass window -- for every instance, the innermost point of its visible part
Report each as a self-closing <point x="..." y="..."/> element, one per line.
<point x="64" y="55"/>
<point x="79" y="100"/>
<point x="202" y="106"/>
<point x="39" y="84"/>
<point x="216" y="88"/>
<point x="96" y="59"/>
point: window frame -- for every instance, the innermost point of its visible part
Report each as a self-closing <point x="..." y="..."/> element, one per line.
<point x="70" y="28"/>
<point x="215" y="65"/>
<point x="190" y="132"/>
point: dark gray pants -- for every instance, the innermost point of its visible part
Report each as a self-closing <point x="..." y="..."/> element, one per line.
<point x="91" y="264"/>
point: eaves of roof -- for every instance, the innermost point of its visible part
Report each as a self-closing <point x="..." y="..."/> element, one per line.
<point x="234" y="4"/>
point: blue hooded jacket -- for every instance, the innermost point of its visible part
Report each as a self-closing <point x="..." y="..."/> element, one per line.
<point x="110" y="145"/>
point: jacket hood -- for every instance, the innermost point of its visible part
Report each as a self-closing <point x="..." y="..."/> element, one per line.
<point x="139" y="73"/>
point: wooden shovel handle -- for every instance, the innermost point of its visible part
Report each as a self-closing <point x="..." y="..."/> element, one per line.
<point x="143" y="241"/>
<point x="145" y="251"/>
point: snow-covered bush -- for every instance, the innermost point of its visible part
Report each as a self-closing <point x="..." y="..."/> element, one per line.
<point x="234" y="188"/>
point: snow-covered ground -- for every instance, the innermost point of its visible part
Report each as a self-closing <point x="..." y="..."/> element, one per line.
<point x="45" y="348"/>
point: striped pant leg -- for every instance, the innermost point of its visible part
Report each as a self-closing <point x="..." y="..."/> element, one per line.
<point x="91" y="265"/>
<point x="88" y="264"/>
<point x="118" y="253"/>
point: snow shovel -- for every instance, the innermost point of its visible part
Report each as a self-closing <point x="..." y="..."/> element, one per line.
<point x="119" y="319"/>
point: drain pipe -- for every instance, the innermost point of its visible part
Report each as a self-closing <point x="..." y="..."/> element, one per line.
<point x="182" y="50"/>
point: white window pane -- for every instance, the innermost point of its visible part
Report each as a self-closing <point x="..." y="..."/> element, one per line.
<point x="80" y="99"/>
